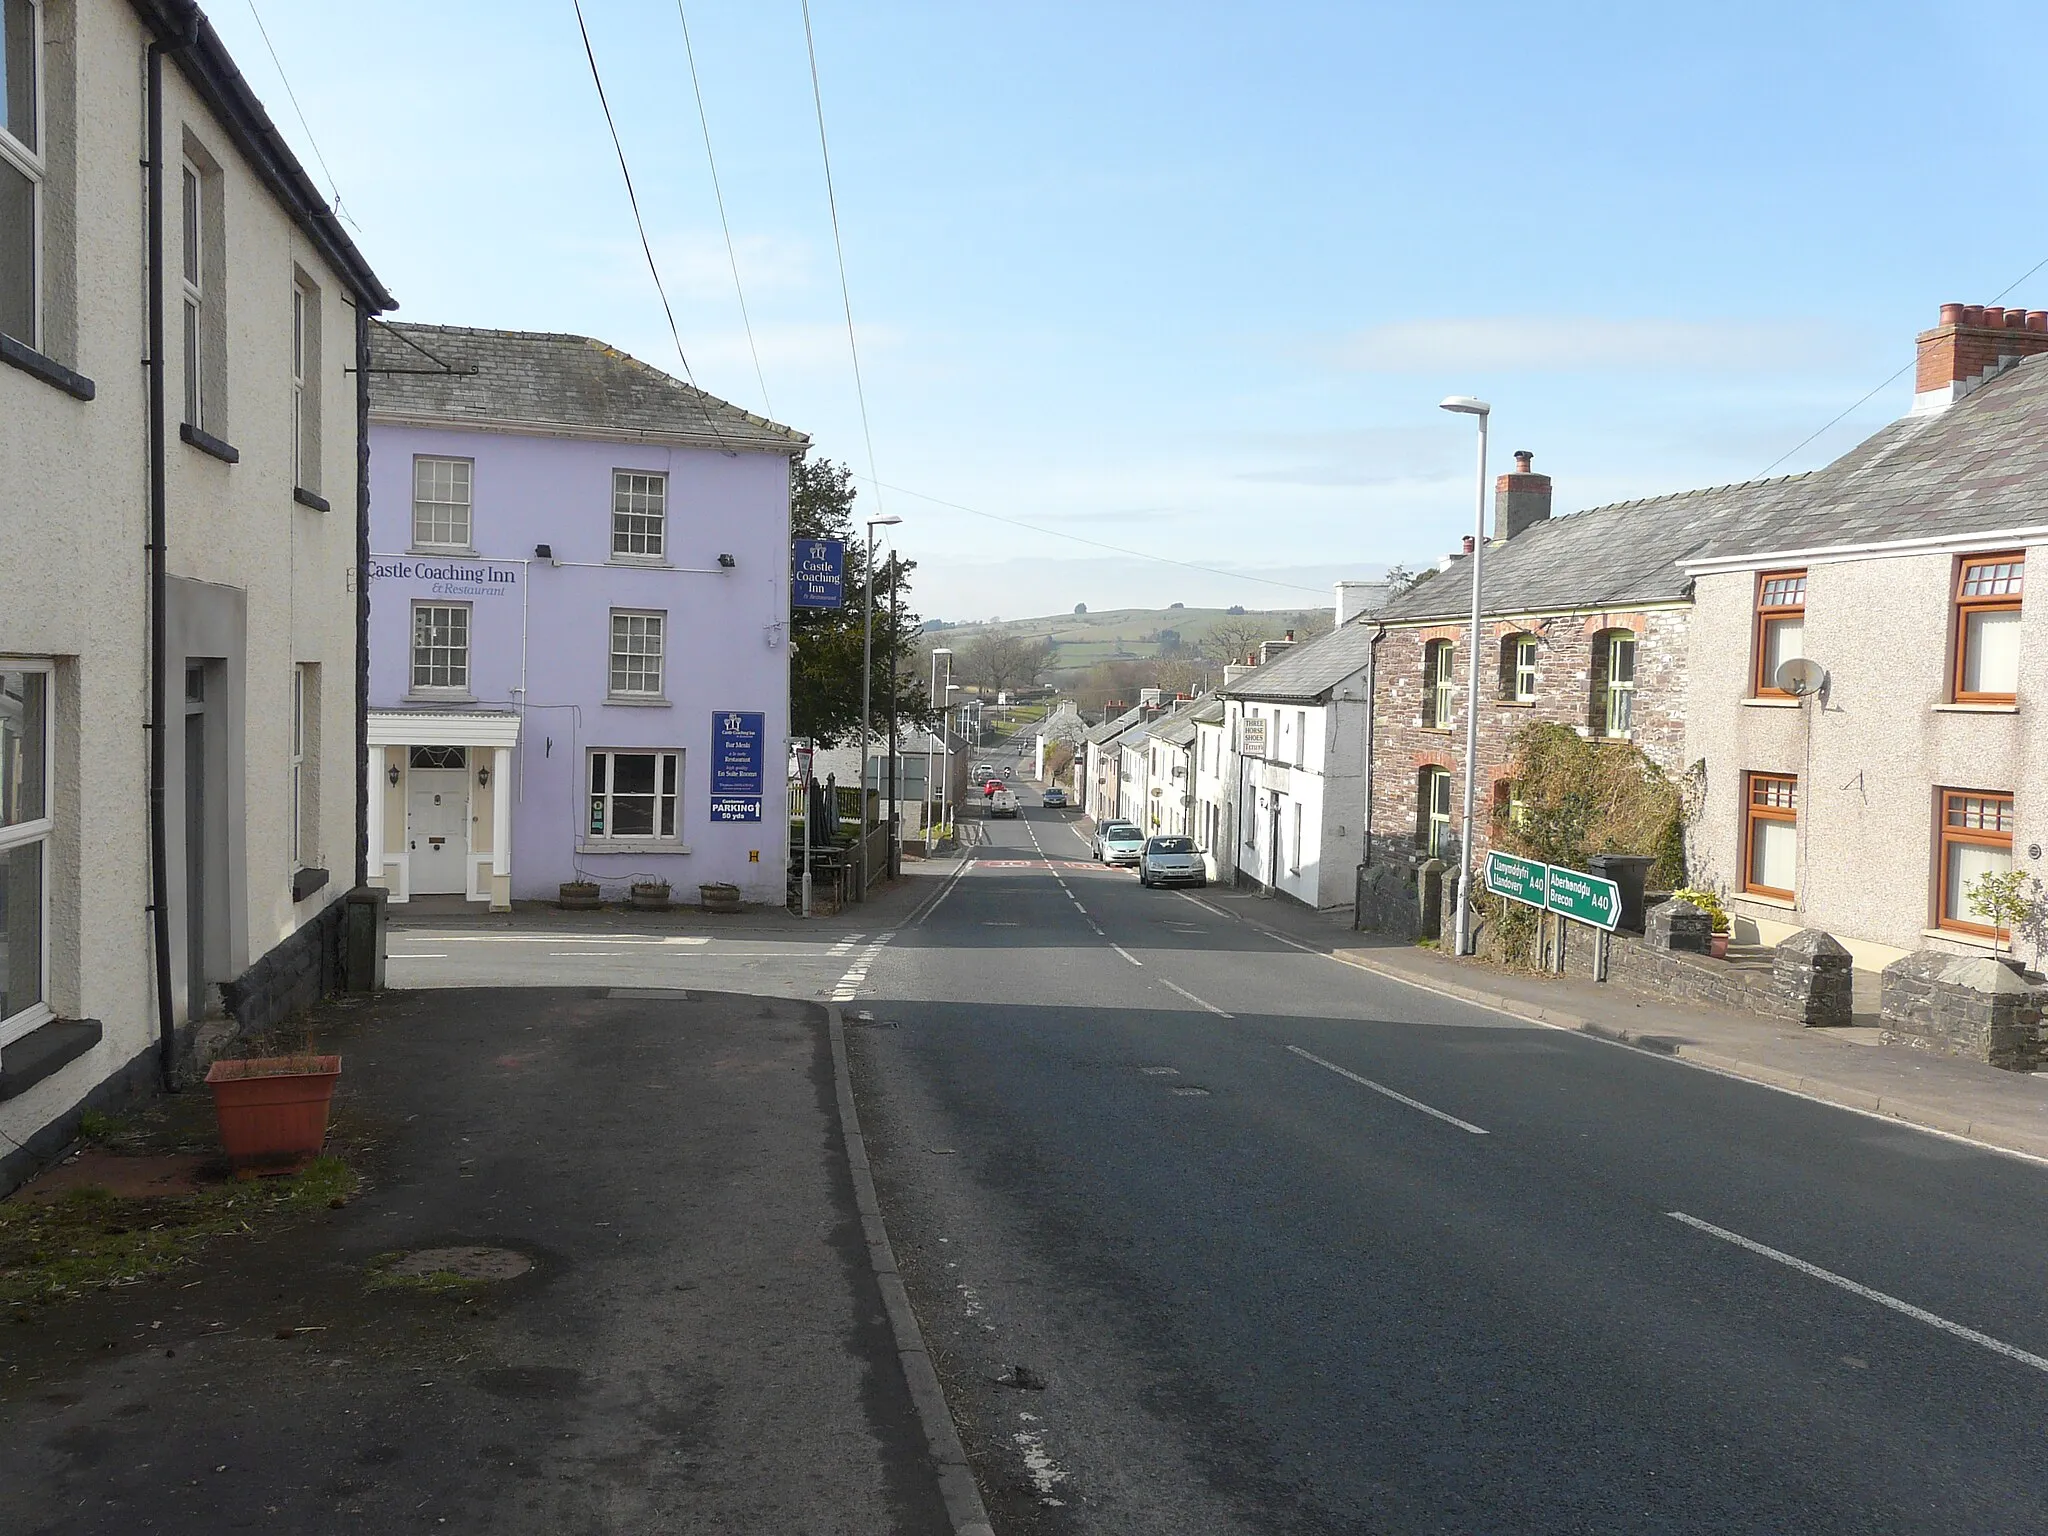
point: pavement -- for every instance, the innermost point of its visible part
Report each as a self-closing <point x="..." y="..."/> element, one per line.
<point x="1211" y="1230"/>
<point x="699" y="1340"/>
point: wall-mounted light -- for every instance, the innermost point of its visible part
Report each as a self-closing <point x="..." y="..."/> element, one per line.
<point x="543" y="551"/>
<point x="391" y="775"/>
<point x="726" y="562"/>
<point x="483" y="778"/>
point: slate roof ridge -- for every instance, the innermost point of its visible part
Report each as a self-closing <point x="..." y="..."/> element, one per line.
<point x="1669" y="498"/>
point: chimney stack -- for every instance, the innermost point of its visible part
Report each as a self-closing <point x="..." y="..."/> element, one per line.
<point x="1973" y="343"/>
<point x="1520" y="499"/>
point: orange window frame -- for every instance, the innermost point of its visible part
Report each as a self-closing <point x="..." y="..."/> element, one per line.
<point x="1984" y="584"/>
<point x="1779" y="595"/>
<point x="1952" y="816"/>
<point x="1766" y="797"/>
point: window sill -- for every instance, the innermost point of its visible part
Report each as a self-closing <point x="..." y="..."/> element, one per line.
<point x="43" y="1052"/>
<point x="1977" y="709"/>
<point x="20" y="355"/>
<point x="443" y="551"/>
<point x="432" y="696"/>
<point x="207" y="443"/>
<point x="634" y="845"/>
<point x="1983" y="941"/>
<point x="1437" y="730"/>
<point x="313" y="499"/>
<point x="641" y="562"/>
<point x="1514" y="703"/>
<point x="1782" y="903"/>
<point x="1787" y="703"/>
<point x="306" y="881"/>
<point x="638" y="701"/>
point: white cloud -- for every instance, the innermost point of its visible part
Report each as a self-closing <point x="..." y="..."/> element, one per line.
<point x="1564" y="344"/>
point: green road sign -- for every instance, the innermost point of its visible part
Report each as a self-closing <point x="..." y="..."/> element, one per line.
<point x="1522" y="880"/>
<point x="1584" y="898"/>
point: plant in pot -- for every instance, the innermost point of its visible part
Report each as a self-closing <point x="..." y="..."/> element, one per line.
<point x="273" y="1109"/>
<point x="650" y="895"/>
<point x="719" y="896"/>
<point x="1710" y="903"/>
<point x="580" y="895"/>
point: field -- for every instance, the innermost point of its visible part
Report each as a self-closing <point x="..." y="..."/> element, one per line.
<point x="1081" y="640"/>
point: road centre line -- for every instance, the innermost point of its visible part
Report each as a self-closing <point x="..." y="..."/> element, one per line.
<point x="1382" y="1088"/>
<point x="1919" y="1314"/>
<point x="402" y="935"/>
<point x="1122" y="951"/>
<point x="1197" y="1001"/>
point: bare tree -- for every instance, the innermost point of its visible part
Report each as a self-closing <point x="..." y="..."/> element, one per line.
<point x="999" y="659"/>
<point x="1234" y="639"/>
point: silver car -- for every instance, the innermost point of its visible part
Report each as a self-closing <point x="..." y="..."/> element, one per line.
<point x="1118" y="842"/>
<point x="1171" y="861"/>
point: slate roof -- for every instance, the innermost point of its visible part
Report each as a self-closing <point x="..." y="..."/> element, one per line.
<point x="1304" y="673"/>
<point x="1109" y="730"/>
<point x="449" y="374"/>
<point x="1177" y="732"/>
<point x="1981" y="466"/>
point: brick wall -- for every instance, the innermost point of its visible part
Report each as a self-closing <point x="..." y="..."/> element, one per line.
<point x="1571" y="658"/>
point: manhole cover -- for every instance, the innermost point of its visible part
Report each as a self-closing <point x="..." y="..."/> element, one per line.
<point x="463" y="1263"/>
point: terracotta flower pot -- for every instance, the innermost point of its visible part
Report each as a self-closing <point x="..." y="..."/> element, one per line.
<point x="1717" y="945"/>
<point x="273" y="1109"/>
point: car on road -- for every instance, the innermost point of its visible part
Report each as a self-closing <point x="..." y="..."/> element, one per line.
<point x="1003" y="803"/>
<point x="983" y="772"/>
<point x="1056" y="798"/>
<point x="1171" y="861"/>
<point x="1118" y="842"/>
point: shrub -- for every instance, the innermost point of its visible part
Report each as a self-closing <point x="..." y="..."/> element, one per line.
<point x="1707" y="901"/>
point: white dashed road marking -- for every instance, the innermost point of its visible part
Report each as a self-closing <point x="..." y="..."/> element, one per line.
<point x="1198" y="1002"/>
<point x="1918" y="1314"/>
<point x="846" y="944"/>
<point x="1382" y="1088"/>
<point x="847" y="988"/>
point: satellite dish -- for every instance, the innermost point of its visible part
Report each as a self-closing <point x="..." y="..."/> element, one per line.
<point x="1801" y="676"/>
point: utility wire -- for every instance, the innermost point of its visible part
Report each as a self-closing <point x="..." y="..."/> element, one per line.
<point x="675" y="333"/>
<point x="839" y="249"/>
<point x="717" y="192"/>
<point x="333" y="188"/>
<point x="1781" y="458"/>
<point x="1139" y="554"/>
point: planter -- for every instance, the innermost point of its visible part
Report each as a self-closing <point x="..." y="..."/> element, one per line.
<point x="718" y="896"/>
<point x="649" y="896"/>
<point x="273" y="1110"/>
<point x="1717" y="945"/>
<point x="580" y="896"/>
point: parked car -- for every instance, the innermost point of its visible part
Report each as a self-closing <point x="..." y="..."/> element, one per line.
<point x="1003" y="803"/>
<point x="1118" y="842"/>
<point x="1171" y="861"/>
<point x="1056" y="798"/>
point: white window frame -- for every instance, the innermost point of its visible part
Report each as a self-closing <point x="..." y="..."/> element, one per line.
<point x="653" y="622"/>
<point x="1301" y="738"/>
<point x="32" y="163"/>
<point x="467" y="475"/>
<point x="1621" y="695"/>
<point x="450" y="689"/>
<point x="298" y="762"/>
<point x="630" y="522"/>
<point x="39" y="831"/>
<point x="602" y="802"/>
<point x="192" y="283"/>
<point x="1436" y="827"/>
<point x="1294" y="868"/>
<point x="1525" y="669"/>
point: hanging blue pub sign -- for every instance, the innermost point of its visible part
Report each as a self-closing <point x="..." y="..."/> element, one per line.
<point x="738" y="748"/>
<point x="817" y="573"/>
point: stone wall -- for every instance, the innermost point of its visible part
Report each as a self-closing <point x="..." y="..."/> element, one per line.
<point x="292" y="977"/>
<point x="1392" y="900"/>
<point x="1965" y="1005"/>
<point x="1567" y="667"/>
<point x="1806" y="980"/>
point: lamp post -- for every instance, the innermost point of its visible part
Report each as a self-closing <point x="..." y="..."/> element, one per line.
<point x="867" y="669"/>
<point x="1465" y="405"/>
<point x="929" y="824"/>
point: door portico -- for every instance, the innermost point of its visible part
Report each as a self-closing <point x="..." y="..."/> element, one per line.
<point x="440" y="793"/>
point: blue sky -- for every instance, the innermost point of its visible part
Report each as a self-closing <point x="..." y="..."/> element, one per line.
<point x="1190" y="279"/>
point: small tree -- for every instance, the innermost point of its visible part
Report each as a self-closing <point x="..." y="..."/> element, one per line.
<point x="2014" y="903"/>
<point x="1080" y="607"/>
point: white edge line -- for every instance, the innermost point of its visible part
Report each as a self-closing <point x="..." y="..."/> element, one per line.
<point x="951" y="880"/>
<point x="1918" y="1314"/>
<point x="1197" y="1001"/>
<point x="1382" y="1088"/>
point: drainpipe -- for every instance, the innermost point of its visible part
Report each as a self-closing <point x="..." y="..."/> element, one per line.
<point x="1372" y="690"/>
<point x="159" y="875"/>
<point x="363" y="598"/>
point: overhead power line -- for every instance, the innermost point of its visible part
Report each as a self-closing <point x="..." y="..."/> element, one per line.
<point x="839" y="248"/>
<point x="1137" y="554"/>
<point x="1852" y="410"/>
<point x="732" y="255"/>
<point x="333" y="187"/>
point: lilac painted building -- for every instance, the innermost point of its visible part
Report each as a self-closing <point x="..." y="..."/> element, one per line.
<point x="579" y="603"/>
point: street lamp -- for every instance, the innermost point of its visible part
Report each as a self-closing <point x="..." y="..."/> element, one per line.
<point x="867" y="668"/>
<point x="937" y="652"/>
<point x="1465" y="405"/>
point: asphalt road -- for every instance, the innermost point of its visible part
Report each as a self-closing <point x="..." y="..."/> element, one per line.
<point x="1286" y="1247"/>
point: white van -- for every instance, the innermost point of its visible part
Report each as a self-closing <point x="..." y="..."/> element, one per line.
<point x="1003" y="803"/>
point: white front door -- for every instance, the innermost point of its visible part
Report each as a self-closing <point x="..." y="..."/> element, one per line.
<point x="437" y="830"/>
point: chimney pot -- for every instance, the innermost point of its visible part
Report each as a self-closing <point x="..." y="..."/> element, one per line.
<point x="2037" y="319"/>
<point x="1521" y="498"/>
<point x="1973" y="314"/>
<point x="1523" y="459"/>
<point x="1290" y="637"/>
<point x="2015" y="319"/>
<point x="1468" y="543"/>
<point x="1955" y="357"/>
<point x="1952" y="314"/>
